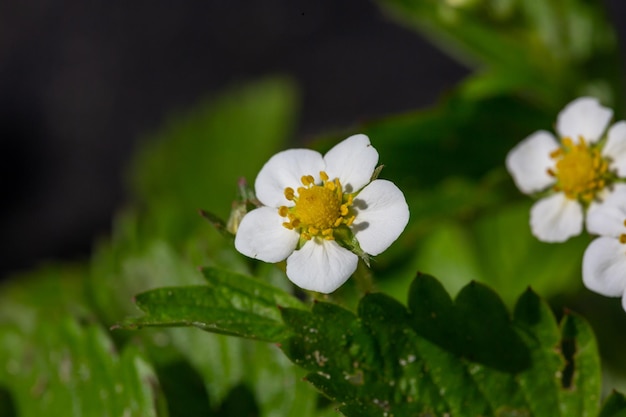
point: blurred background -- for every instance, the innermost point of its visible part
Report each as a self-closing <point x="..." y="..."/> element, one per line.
<point x="83" y="83"/>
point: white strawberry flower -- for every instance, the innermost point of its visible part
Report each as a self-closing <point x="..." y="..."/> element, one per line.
<point x="317" y="211"/>
<point x="604" y="261"/>
<point x="575" y="173"/>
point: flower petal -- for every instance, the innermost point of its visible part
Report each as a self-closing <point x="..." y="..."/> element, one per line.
<point x="583" y="117"/>
<point x="615" y="148"/>
<point x="285" y="170"/>
<point x="321" y="266"/>
<point x="261" y="235"/>
<point x="604" y="267"/>
<point x="606" y="218"/>
<point x="352" y="161"/>
<point x="556" y="218"/>
<point x="529" y="161"/>
<point x="382" y="214"/>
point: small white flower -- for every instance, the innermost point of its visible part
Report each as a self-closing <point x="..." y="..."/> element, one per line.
<point x="315" y="206"/>
<point x="604" y="261"/>
<point x="578" y="171"/>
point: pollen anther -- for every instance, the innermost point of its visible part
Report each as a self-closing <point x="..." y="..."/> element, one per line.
<point x="319" y="208"/>
<point x="580" y="170"/>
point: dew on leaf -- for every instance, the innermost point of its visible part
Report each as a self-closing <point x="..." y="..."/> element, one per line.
<point x="355" y="379"/>
<point x="324" y="374"/>
<point x="319" y="358"/>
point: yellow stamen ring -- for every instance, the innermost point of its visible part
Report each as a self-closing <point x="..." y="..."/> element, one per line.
<point x="581" y="171"/>
<point x="318" y="209"/>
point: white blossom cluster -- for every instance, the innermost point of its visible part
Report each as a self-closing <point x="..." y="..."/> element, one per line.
<point x="580" y="179"/>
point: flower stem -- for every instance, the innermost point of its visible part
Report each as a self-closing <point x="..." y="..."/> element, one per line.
<point x="364" y="279"/>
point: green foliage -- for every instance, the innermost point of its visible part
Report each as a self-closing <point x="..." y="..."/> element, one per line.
<point x="492" y="248"/>
<point x="614" y="406"/>
<point x="550" y="51"/>
<point x="56" y="361"/>
<point x="66" y="367"/>
<point x="232" y="304"/>
<point x="464" y="358"/>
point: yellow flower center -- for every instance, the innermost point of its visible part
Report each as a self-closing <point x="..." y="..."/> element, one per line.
<point x="318" y="209"/>
<point x="581" y="171"/>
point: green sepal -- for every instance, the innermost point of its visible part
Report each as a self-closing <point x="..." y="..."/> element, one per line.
<point x="376" y="172"/>
<point x="345" y="237"/>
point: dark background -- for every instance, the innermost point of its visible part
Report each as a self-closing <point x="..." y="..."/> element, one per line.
<point x="81" y="82"/>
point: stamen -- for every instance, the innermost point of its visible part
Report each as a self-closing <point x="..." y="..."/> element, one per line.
<point x="307" y="180"/>
<point x="319" y="209"/>
<point x="567" y="143"/>
<point x="622" y="238"/>
<point x="580" y="170"/>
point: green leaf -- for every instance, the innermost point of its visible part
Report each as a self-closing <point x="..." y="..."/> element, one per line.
<point x="614" y="406"/>
<point x="130" y="266"/>
<point x="465" y="357"/>
<point x="541" y="334"/>
<point x="68" y="369"/>
<point x="51" y="291"/>
<point x="200" y="307"/>
<point x="232" y="304"/>
<point x="581" y="377"/>
<point x="460" y="328"/>
<point x="220" y="279"/>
